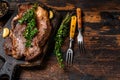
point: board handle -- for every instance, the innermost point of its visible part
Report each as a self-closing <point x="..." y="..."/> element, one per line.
<point x="8" y="70"/>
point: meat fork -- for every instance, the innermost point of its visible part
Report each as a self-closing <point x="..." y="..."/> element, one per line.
<point x="69" y="54"/>
<point x="80" y="36"/>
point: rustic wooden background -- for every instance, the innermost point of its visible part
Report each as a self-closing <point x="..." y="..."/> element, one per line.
<point x="101" y="30"/>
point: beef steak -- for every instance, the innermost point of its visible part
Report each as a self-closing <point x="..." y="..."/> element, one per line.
<point x="18" y="48"/>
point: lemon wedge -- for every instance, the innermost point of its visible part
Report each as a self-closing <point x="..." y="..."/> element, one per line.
<point x="5" y="32"/>
<point x="51" y="14"/>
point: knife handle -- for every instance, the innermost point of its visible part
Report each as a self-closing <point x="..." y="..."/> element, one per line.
<point x="72" y="26"/>
<point x="79" y="18"/>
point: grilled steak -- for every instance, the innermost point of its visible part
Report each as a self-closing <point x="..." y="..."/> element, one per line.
<point x="18" y="48"/>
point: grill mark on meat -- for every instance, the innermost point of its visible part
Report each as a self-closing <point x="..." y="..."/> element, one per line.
<point x="39" y="41"/>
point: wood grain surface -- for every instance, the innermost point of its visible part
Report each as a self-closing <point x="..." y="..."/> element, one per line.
<point x="101" y="30"/>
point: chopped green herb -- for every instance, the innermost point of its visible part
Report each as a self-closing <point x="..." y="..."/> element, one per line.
<point x="31" y="30"/>
<point x="28" y="43"/>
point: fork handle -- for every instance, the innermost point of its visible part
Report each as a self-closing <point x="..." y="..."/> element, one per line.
<point x="72" y="26"/>
<point x="79" y="18"/>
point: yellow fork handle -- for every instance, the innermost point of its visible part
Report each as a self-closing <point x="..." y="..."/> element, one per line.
<point x="79" y="18"/>
<point x="72" y="26"/>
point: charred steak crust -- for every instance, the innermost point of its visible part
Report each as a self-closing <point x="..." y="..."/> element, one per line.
<point x="39" y="41"/>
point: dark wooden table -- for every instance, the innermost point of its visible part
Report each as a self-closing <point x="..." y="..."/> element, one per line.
<point x="101" y="61"/>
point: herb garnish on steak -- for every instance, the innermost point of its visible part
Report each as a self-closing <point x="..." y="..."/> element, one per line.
<point x="30" y="19"/>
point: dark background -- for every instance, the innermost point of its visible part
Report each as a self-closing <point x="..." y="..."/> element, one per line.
<point x="101" y="61"/>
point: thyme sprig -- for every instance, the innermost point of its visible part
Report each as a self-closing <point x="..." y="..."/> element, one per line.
<point x="59" y="38"/>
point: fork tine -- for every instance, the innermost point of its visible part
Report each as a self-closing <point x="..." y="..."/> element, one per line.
<point x="83" y="48"/>
<point x="67" y="57"/>
<point x="79" y="44"/>
<point x="71" y="58"/>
